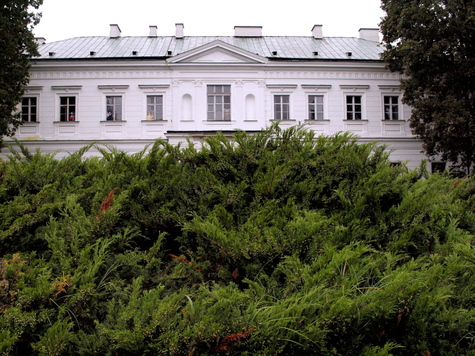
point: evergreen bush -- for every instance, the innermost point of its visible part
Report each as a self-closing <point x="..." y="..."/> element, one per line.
<point x="275" y="243"/>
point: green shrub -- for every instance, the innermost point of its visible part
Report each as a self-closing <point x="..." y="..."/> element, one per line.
<point x="275" y="243"/>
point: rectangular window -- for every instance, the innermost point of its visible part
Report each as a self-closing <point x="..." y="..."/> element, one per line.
<point x="315" y="107"/>
<point x="353" y="107"/>
<point x="154" y="107"/>
<point x="114" y="108"/>
<point x="219" y="102"/>
<point x="391" y="108"/>
<point x="281" y="107"/>
<point x="438" y="167"/>
<point x="67" y="108"/>
<point x="29" y="109"/>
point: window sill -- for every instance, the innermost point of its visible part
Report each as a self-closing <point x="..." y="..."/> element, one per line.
<point x="219" y="121"/>
<point x="112" y="121"/>
<point x="29" y="123"/>
<point x="393" y="120"/>
<point x="66" y="122"/>
<point x="316" y="121"/>
<point x="362" y="120"/>
<point x="154" y="121"/>
<point x="290" y="120"/>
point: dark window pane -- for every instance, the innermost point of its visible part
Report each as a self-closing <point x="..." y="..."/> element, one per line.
<point x="62" y="113"/>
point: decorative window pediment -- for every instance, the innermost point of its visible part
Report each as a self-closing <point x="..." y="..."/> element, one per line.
<point x="354" y="87"/>
<point x="391" y="88"/>
<point x="281" y="86"/>
<point x="113" y="87"/>
<point x="66" y="87"/>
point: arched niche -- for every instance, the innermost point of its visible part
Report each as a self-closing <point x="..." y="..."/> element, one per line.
<point x="250" y="105"/>
<point x="186" y="108"/>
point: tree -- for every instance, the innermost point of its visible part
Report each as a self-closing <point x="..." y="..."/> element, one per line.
<point x="432" y="42"/>
<point x="17" y="46"/>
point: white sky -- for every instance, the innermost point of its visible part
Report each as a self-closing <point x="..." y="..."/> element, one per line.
<point x="72" y="18"/>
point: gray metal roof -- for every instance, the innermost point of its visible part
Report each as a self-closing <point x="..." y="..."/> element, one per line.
<point x="287" y="47"/>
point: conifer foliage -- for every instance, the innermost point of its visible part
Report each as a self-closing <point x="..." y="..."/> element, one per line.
<point x="277" y="243"/>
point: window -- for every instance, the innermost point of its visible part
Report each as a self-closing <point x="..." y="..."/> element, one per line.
<point x="114" y="108"/>
<point x="67" y="108"/>
<point x="29" y="109"/>
<point x="437" y="167"/>
<point x="353" y="107"/>
<point x="154" y="107"/>
<point x="281" y="107"/>
<point x="391" y="108"/>
<point x="219" y="102"/>
<point x="315" y="107"/>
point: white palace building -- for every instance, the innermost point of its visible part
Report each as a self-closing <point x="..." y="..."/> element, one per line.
<point x="128" y="91"/>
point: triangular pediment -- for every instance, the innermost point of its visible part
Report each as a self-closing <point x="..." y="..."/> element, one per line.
<point x="217" y="52"/>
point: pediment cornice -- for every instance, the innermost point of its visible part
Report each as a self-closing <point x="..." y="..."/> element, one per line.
<point x="217" y="52"/>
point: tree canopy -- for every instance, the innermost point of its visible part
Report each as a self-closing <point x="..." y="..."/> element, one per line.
<point x="277" y="243"/>
<point x="17" y="46"/>
<point x="432" y="42"/>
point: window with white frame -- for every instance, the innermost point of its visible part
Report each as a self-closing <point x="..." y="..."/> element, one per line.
<point x="353" y="107"/>
<point x="219" y="102"/>
<point x="155" y="107"/>
<point x="113" y="108"/>
<point x="281" y="107"/>
<point x="315" y="107"/>
<point x="67" y="108"/>
<point x="391" y="107"/>
<point x="29" y="109"/>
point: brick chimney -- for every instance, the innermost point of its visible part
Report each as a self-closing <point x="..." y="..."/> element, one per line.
<point x="248" y="31"/>
<point x="114" y="31"/>
<point x="179" y="30"/>
<point x="370" y="34"/>
<point x="317" y="32"/>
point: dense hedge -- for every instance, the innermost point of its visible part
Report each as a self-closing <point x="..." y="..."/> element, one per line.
<point x="277" y="243"/>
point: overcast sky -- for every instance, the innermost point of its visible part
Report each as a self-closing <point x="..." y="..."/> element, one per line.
<point x="72" y="18"/>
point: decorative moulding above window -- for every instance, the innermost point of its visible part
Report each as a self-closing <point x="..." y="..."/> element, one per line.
<point x="66" y="87"/>
<point x="354" y="87"/>
<point x="390" y="87"/>
<point x="33" y="88"/>
<point x="316" y="86"/>
<point x="113" y="87"/>
<point x="281" y="86"/>
<point x="154" y="86"/>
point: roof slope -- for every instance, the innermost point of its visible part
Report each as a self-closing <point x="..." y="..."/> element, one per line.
<point x="276" y="47"/>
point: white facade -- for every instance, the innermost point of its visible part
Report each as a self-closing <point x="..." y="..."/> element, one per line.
<point x="348" y="91"/>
